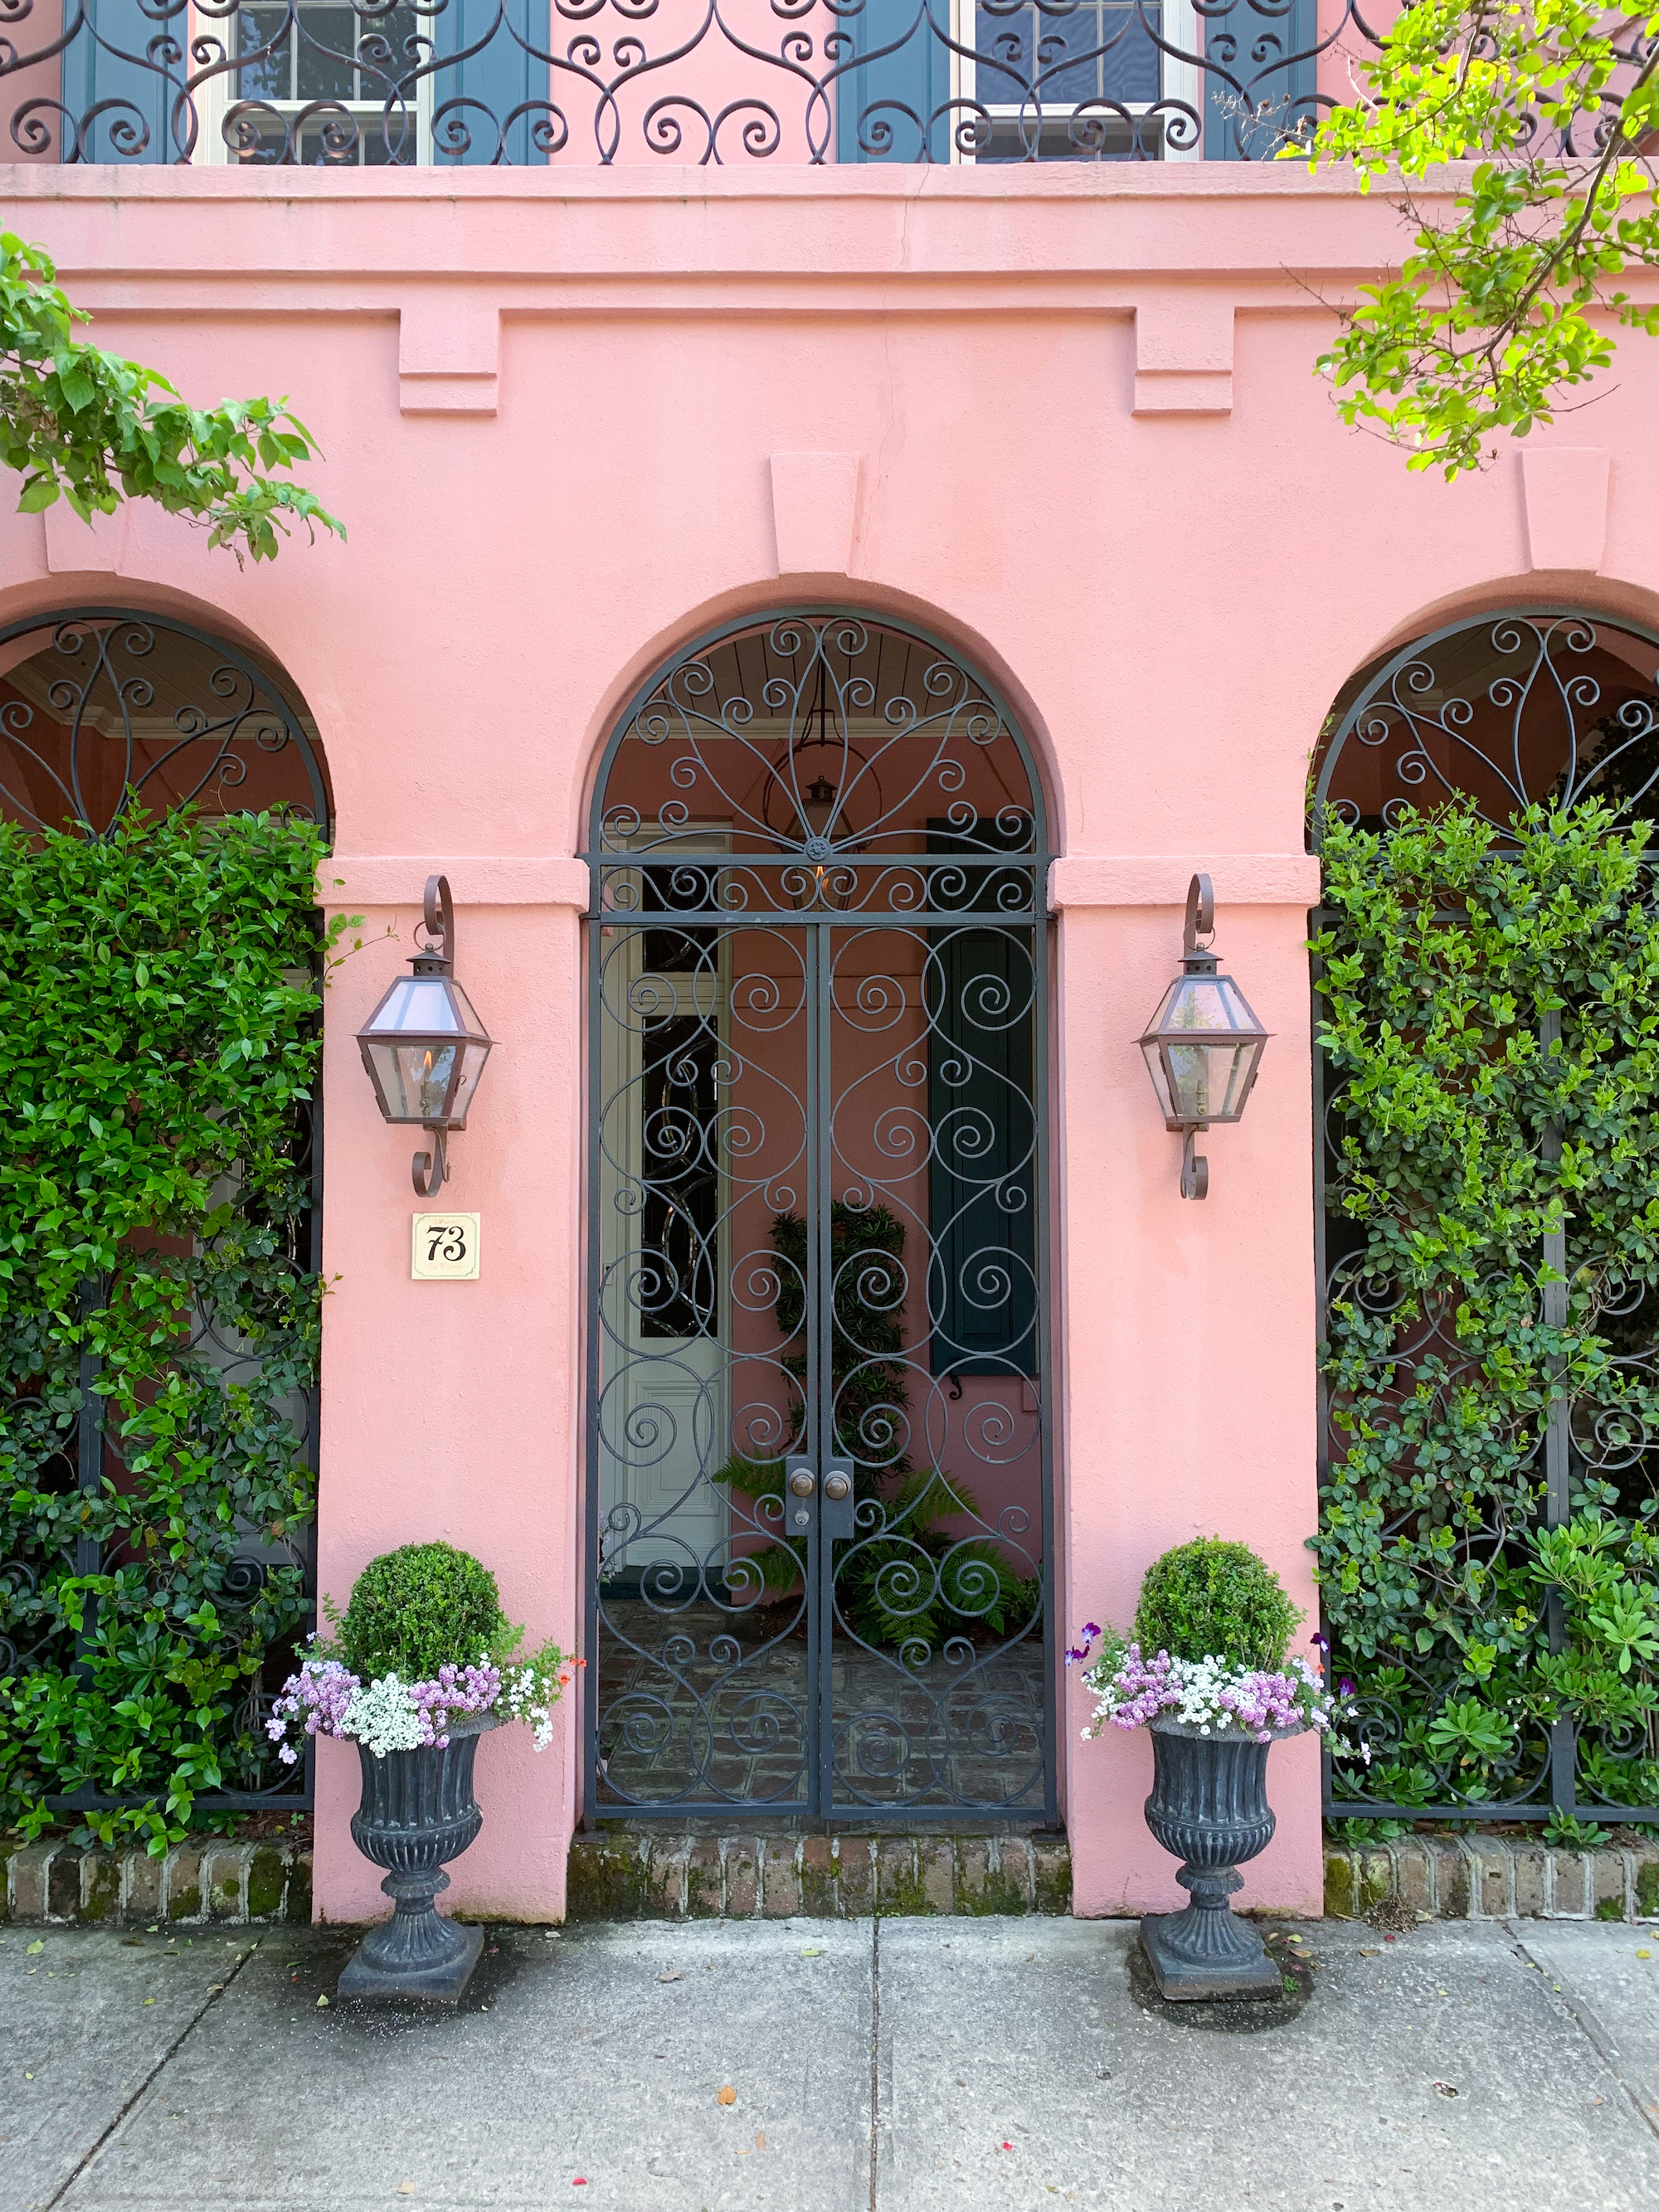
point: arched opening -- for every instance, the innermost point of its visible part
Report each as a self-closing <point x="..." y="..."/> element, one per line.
<point x="1486" y="1173"/>
<point x="104" y="710"/>
<point x="163" y="1445"/>
<point x="819" y="1457"/>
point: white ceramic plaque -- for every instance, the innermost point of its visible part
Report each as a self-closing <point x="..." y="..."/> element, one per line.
<point x="445" y="1248"/>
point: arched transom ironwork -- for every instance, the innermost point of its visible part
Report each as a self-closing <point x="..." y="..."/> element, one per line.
<point x="104" y="710"/>
<point x="1533" y="707"/>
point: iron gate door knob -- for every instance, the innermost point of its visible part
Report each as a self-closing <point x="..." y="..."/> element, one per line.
<point x="836" y="1485"/>
<point x="801" y="1483"/>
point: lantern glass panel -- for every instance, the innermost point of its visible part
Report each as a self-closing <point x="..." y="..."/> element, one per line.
<point x="424" y="1004"/>
<point x="425" y="1050"/>
<point x="418" y="1081"/>
<point x="1202" y="1050"/>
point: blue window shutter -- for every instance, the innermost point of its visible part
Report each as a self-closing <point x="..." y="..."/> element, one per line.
<point x="489" y="84"/>
<point x="1289" y="89"/>
<point x="902" y="96"/>
<point x="144" y="96"/>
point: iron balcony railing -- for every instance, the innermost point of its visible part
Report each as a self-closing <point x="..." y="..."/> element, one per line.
<point x="343" y="83"/>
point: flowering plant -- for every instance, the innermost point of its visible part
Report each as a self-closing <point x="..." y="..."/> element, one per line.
<point x="324" y="1698"/>
<point x="1216" y="1696"/>
<point x="396" y="1671"/>
<point x="1218" y="1622"/>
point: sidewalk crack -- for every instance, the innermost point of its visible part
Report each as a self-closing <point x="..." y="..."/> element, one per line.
<point x="161" y="2065"/>
<point x="1588" y="2026"/>
<point x="875" y="2053"/>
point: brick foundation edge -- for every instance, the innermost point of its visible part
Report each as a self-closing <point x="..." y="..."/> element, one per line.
<point x="658" y="1877"/>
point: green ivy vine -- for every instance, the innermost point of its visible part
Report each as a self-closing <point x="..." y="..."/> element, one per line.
<point x="1491" y="1031"/>
<point x="159" y="1046"/>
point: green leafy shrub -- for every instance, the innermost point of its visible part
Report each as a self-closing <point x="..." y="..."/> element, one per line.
<point x="418" y="1608"/>
<point x="1211" y="1600"/>
<point x="1491" y="1034"/>
<point x="159" y="1042"/>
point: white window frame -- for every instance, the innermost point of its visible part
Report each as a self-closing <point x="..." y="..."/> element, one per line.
<point x="1179" y="80"/>
<point x="216" y="97"/>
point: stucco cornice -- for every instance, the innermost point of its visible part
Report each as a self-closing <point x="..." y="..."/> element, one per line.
<point x="932" y="238"/>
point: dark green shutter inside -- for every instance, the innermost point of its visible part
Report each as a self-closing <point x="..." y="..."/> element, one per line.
<point x="974" y="1231"/>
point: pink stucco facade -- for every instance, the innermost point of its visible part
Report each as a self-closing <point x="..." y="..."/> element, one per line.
<point x="1065" y="418"/>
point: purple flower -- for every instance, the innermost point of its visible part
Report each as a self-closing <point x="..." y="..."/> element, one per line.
<point x="1345" y="1688"/>
<point x="1320" y="1642"/>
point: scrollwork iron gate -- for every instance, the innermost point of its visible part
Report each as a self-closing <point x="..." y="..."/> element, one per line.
<point x="816" y="1432"/>
<point x="1543" y="708"/>
<point x="107" y="715"/>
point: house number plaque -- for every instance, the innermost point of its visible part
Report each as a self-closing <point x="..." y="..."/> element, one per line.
<point x="445" y="1248"/>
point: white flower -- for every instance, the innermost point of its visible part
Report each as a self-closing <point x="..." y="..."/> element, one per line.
<point x="384" y="1718"/>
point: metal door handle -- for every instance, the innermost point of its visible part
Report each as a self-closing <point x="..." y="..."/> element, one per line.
<point x="801" y="1482"/>
<point x="837" y="1485"/>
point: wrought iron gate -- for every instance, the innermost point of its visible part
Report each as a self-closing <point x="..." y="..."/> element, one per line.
<point x="818" y="1469"/>
<point x="1525" y="706"/>
<point x="106" y="713"/>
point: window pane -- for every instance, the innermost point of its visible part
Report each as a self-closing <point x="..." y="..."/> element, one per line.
<point x="1067" y="51"/>
<point x="392" y="44"/>
<point x="269" y="77"/>
<point x="328" y="44"/>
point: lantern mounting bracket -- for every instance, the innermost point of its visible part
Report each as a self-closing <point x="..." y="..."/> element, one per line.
<point x="1201" y="915"/>
<point x="423" y="1046"/>
<point x="1203" y="1045"/>
<point x="438" y="918"/>
<point x="1194" y="1167"/>
<point x="430" y="1171"/>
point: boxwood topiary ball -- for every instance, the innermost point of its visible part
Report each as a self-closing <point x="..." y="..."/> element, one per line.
<point x="1208" y="1600"/>
<point x="423" y="1607"/>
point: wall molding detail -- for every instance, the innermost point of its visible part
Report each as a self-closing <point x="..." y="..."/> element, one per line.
<point x="815" y="499"/>
<point x="1161" y="879"/>
<point x="394" y="880"/>
<point x="1183" y="354"/>
<point x="449" y="353"/>
<point x="1563" y="497"/>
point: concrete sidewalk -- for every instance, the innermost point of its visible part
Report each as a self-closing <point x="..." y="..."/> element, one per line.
<point x="904" y="2065"/>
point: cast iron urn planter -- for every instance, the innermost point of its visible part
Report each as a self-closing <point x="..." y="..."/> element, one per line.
<point x="417" y="1811"/>
<point x="1209" y="1808"/>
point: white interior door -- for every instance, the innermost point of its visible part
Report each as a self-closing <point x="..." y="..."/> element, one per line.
<point x="664" y="1414"/>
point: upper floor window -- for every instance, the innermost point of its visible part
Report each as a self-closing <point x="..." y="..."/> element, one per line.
<point x="319" y="81"/>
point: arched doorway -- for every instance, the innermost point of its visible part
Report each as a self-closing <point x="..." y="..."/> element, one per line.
<point x="110" y="717"/>
<point x="1485" y="1178"/>
<point x="106" y="709"/>
<point x="817" y="1440"/>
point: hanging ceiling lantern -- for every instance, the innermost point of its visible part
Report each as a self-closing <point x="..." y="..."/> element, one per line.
<point x="424" y="1047"/>
<point x="1203" y="1045"/>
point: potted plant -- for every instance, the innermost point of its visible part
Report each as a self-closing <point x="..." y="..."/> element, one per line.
<point x="421" y="1663"/>
<point x="1217" y="1695"/>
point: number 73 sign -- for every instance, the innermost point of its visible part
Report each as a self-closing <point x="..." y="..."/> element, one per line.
<point x="445" y="1248"/>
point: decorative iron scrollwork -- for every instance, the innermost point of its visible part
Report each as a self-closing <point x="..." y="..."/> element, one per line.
<point x="116" y="711"/>
<point x="341" y="83"/>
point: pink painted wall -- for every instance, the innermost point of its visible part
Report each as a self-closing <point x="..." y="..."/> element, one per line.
<point x="550" y="408"/>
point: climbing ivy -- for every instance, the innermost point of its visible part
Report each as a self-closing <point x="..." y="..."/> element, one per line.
<point x="159" y="1044"/>
<point x="1491" y="1027"/>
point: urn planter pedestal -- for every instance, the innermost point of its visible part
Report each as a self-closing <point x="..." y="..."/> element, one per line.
<point x="417" y="1811"/>
<point x="1209" y="1808"/>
